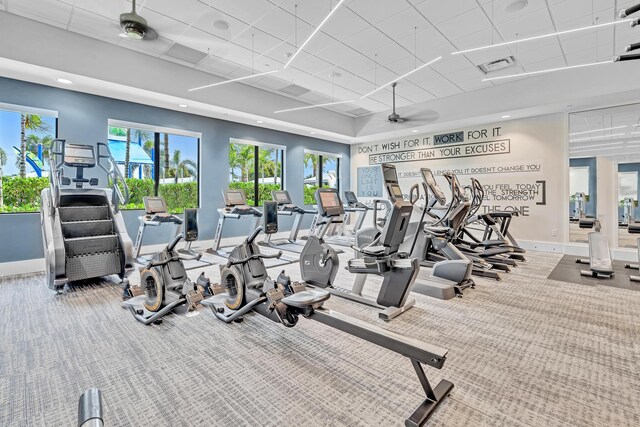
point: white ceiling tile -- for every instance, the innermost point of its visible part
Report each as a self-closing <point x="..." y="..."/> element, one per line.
<point x="164" y="26"/>
<point x="531" y="24"/>
<point x="108" y="9"/>
<point x="208" y="43"/>
<point x="47" y="11"/>
<point x="188" y="11"/>
<point x="205" y="23"/>
<point x="375" y="11"/>
<point x="310" y="64"/>
<point x="96" y="26"/>
<point x="472" y="84"/>
<point x="262" y="42"/>
<point x="467" y="23"/>
<point x="404" y="24"/>
<point x="437" y="11"/>
<point x="344" y="24"/>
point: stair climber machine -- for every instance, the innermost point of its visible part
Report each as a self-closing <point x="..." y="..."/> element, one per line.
<point x="433" y="241"/>
<point x="246" y="287"/>
<point x="157" y="214"/>
<point x="497" y="257"/>
<point x="164" y="283"/>
<point x="443" y="279"/>
<point x="495" y="224"/>
<point x="580" y="213"/>
<point x="319" y="261"/>
<point x="287" y="208"/>
<point x="236" y="207"/>
<point x="84" y="235"/>
<point x="600" y="263"/>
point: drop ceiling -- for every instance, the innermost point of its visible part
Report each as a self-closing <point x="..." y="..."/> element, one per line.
<point x="365" y="43"/>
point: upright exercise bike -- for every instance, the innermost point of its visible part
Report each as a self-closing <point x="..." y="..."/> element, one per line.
<point x="164" y="281"/>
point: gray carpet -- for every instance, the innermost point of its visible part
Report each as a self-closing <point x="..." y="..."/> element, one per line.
<point x="526" y="351"/>
<point x="568" y="270"/>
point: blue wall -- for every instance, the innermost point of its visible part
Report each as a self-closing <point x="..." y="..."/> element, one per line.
<point x="82" y="118"/>
<point x="590" y="206"/>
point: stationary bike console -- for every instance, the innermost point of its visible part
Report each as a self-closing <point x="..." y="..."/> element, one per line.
<point x="270" y="217"/>
<point x="191" y="225"/>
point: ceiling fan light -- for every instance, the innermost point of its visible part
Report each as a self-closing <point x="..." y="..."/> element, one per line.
<point x="134" y="30"/>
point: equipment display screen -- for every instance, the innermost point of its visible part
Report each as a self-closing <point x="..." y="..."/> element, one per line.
<point x="78" y="151"/>
<point x="389" y="173"/>
<point x="155" y="205"/>
<point x="396" y="191"/>
<point x="329" y="199"/>
<point x="191" y="219"/>
<point x="428" y="177"/>
<point x="282" y="197"/>
<point x="271" y="210"/>
<point x="350" y="196"/>
<point x="235" y="198"/>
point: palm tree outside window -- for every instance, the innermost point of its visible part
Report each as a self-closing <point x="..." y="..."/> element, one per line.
<point x="256" y="169"/>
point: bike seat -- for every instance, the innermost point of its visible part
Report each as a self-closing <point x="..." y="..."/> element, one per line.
<point x="373" y="250"/>
<point x="308" y="298"/>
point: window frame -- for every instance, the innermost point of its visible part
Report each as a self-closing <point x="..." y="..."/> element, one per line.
<point x="17" y="108"/>
<point x="157" y="131"/>
<point x="320" y="155"/>
<point x="256" y="164"/>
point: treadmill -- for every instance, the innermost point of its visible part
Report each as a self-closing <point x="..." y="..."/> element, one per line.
<point x="287" y="208"/>
<point x="236" y="208"/>
<point x="322" y="225"/>
<point x="353" y="205"/>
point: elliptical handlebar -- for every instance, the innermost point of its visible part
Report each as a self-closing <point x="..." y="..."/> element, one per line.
<point x="253" y="235"/>
<point x="254" y="256"/>
<point x="113" y="173"/>
<point x="414" y="191"/>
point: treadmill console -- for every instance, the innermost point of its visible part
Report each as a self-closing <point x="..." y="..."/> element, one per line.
<point x="352" y="200"/>
<point x="155" y="205"/>
<point x="234" y="198"/>
<point x="429" y="179"/>
<point x="281" y="197"/>
<point x="389" y="173"/>
<point x="190" y="225"/>
<point x="79" y="156"/>
<point x="270" y="217"/>
<point x="395" y="192"/>
<point x="329" y="203"/>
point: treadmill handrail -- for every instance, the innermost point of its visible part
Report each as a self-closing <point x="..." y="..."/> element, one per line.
<point x="113" y="173"/>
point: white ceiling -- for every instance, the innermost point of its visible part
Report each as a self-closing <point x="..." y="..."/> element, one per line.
<point x="610" y="132"/>
<point x="359" y="34"/>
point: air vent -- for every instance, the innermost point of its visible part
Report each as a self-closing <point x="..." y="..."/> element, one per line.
<point x="359" y="112"/>
<point x="497" y="65"/>
<point x="185" y="53"/>
<point x="294" y="90"/>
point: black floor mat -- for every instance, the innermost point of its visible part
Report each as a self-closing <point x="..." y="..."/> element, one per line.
<point x="568" y="270"/>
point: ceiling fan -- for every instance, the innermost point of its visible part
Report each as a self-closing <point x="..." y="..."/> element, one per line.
<point x="422" y="117"/>
<point x="135" y="26"/>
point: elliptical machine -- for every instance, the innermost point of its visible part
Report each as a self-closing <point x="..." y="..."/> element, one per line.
<point x="164" y="282"/>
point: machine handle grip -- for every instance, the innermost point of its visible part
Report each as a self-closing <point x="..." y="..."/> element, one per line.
<point x="254" y="256"/>
<point x="414" y="194"/>
<point x="629" y="11"/>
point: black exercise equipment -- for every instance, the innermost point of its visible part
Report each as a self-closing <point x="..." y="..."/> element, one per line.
<point x="165" y="283"/>
<point x="247" y="287"/>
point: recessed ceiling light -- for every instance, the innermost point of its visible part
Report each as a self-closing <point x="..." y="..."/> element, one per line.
<point x="312" y="133"/>
<point x="415" y="130"/>
<point x="259" y="121"/>
<point x="182" y="105"/>
<point x="355" y="141"/>
<point x="516" y="6"/>
<point x="506" y="116"/>
<point x="64" y="81"/>
<point x="221" y="25"/>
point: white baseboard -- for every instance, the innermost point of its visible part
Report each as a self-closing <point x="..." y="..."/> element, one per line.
<point x="26" y="266"/>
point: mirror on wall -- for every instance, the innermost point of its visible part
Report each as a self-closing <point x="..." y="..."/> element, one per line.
<point x="604" y="152"/>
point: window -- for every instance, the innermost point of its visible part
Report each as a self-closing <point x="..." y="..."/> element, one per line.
<point x="25" y="139"/>
<point x="157" y="162"/>
<point x="256" y="168"/>
<point x="320" y="170"/>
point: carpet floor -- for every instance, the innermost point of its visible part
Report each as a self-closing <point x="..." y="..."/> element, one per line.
<point x="527" y="351"/>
